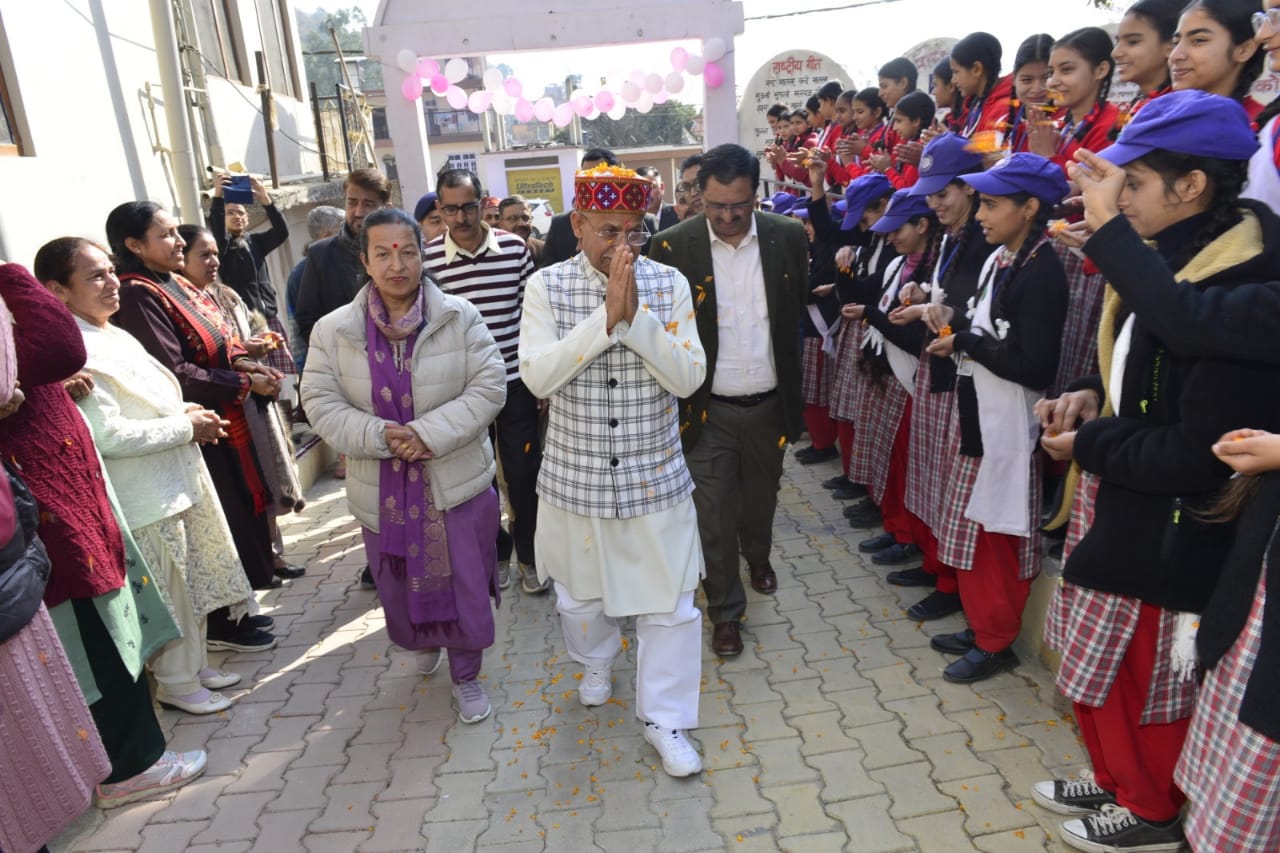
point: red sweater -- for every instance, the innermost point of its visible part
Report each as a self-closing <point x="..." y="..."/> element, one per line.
<point x="1096" y="136"/>
<point x="992" y="110"/>
<point x="51" y="444"/>
<point x="827" y="140"/>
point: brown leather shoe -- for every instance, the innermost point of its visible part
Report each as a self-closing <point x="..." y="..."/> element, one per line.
<point x="726" y="639"/>
<point x="763" y="579"/>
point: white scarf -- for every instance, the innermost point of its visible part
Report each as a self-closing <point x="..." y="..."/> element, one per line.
<point x="902" y="363"/>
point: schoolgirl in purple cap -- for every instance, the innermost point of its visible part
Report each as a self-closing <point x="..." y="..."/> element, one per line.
<point x="934" y="440"/>
<point x="1005" y="361"/>
<point x="1145" y="586"/>
<point x="860" y="264"/>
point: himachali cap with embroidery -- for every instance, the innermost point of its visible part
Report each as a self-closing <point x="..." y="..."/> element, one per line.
<point x="1186" y="122"/>
<point x="1022" y="173"/>
<point x="861" y="192"/>
<point x="944" y="159"/>
<point x="903" y="207"/>
<point x="611" y="189"/>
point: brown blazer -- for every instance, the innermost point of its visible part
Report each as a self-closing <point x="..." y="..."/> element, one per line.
<point x="784" y="259"/>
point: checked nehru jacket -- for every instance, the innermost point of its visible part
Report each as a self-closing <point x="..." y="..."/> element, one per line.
<point x="612" y="448"/>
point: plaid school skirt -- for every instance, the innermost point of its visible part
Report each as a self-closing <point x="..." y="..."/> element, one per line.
<point x="815" y="383"/>
<point x="958" y="534"/>
<point x="280" y="358"/>
<point x="874" y="429"/>
<point x="1092" y="630"/>
<point x="933" y="447"/>
<point x="1231" y="773"/>
<point x="1079" y="356"/>
<point x="1083" y="505"/>
<point x="846" y="379"/>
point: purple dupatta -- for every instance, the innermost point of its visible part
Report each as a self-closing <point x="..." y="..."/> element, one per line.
<point x="411" y="529"/>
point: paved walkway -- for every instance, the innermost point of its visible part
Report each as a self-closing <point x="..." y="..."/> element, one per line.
<point x="833" y="730"/>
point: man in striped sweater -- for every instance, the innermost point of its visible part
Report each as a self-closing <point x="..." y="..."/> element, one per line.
<point x="489" y="267"/>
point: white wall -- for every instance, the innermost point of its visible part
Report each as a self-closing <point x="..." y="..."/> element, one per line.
<point x="80" y="70"/>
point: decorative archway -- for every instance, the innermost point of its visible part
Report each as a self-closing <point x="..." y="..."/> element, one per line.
<point x="440" y="29"/>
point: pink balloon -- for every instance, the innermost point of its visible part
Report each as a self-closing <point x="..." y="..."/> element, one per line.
<point x="456" y="98"/>
<point x="439" y="85"/>
<point x="582" y="105"/>
<point x="679" y="58"/>
<point x="604" y="100"/>
<point x="661" y="97"/>
<point x="563" y="115"/>
<point x="479" y="101"/>
<point x="411" y="88"/>
<point x="513" y="87"/>
<point x="543" y="109"/>
<point x="427" y="68"/>
<point x="713" y="74"/>
<point x="524" y="110"/>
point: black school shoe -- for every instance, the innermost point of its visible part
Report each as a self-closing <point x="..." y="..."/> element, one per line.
<point x="366" y="579"/>
<point x="1118" y="829"/>
<point x="909" y="577"/>
<point x="241" y="637"/>
<point x="838" y="482"/>
<point x="866" y="516"/>
<point x="895" y="555"/>
<point x="977" y="665"/>
<point x="850" y="493"/>
<point x="877" y="543"/>
<point x="289" y="573"/>
<point x="812" y="455"/>
<point x="958" y="643"/>
<point x="935" y="605"/>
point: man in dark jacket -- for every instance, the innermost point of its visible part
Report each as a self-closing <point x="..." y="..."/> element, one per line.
<point x="333" y="274"/>
<point x="243" y="255"/>
<point x="750" y="276"/>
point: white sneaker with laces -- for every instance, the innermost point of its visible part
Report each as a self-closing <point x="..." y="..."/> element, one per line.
<point x="679" y="758"/>
<point x="172" y="770"/>
<point x="597" y="684"/>
<point x="473" y="701"/>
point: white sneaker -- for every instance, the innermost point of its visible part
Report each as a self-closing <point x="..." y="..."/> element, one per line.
<point x="473" y="701"/>
<point x="428" y="660"/>
<point x="172" y="770"/>
<point x="597" y="684"/>
<point x="679" y="758"/>
<point x="504" y="574"/>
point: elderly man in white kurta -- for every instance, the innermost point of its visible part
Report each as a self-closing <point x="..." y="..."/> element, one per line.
<point x="610" y="339"/>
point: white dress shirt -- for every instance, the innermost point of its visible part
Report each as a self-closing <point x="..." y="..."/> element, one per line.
<point x="744" y="362"/>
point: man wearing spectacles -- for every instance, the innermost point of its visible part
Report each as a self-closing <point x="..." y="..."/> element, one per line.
<point x="489" y="267"/>
<point x="562" y="242"/>
<point x="609" y="337"/>
<point x="514" y="216"/>
<point x="750" y="275"/>
<point x="688" y="187"/>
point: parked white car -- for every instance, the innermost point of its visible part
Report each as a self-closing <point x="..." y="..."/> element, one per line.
<point x="541" y="211"/>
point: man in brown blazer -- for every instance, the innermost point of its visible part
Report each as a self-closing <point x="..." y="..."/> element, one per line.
<point x="749" y="272"/>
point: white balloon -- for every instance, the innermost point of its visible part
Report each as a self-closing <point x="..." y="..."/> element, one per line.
<point x="456" y="98"/>
<point x="618" y="111"/>
<point x="493" y="79"/>
<point x="630" y="92"/>
<point x="653" y="84"/>
<point x="502" y="103"/>
<point x="674" y="82"/>
<point x="713" y="49"/>
<point x="661" y="97"/>
<point x="455" y="70"/>
<point x="407" y="60"/>
<point x="644" y="104"/>
<point x="593" y="113"/>
<point x="695" y="64"/>
<point x="479" y="101"/>
<point x="637" y="77"/>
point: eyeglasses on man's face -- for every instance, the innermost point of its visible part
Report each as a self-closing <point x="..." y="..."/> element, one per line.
<point x="612" y="234"/>
<point x="714" y="207"/>
<point x="468" y="210"/>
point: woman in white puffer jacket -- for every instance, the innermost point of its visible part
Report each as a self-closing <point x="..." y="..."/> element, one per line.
<point x="405" y="382"/>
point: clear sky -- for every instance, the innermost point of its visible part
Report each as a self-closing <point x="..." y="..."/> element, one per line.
<point x="859" y="38"/>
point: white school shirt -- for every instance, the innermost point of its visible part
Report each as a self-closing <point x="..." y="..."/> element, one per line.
<point x="744" y="361"/>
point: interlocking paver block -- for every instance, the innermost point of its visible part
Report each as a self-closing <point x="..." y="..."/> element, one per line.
<point x="868" y="825"/>
<point x="912" y="790"/>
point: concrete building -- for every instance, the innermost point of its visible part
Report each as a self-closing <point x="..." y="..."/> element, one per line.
<point x="106" y="101"/>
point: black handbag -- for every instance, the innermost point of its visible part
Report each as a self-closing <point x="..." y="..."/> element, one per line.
<point x="24" y="564"/>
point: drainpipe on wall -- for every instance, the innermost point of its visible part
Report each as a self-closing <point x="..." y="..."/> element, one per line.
<point x="181" y="149"/>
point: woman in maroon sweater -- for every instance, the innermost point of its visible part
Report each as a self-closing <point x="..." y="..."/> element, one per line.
<point x="48" y="441"/>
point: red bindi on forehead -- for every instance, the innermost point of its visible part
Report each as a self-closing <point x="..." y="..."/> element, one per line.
<point x="395" y="245"/>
